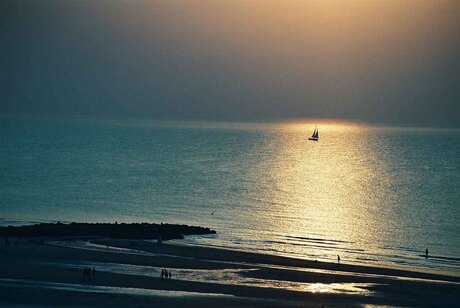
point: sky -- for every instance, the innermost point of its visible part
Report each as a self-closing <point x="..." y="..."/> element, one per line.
<point x="388" y="61"/>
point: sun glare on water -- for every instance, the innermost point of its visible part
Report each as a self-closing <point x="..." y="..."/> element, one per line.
<point x="331" y="180"/>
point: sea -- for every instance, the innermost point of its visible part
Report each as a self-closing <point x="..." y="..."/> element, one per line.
<point x="371" y="194"/>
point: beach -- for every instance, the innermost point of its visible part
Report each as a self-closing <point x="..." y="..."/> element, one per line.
<point x="127" y="273"/>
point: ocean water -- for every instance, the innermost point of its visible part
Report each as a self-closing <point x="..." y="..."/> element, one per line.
<point x="370" y="194"/>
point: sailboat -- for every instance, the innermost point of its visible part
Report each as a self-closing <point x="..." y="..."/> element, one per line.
<point x="315" y="135"/>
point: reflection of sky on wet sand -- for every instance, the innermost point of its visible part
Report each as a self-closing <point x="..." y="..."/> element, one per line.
<point x="355" y="288"/>
<point x="22" y="283"/>
<point x="227" y="276"/>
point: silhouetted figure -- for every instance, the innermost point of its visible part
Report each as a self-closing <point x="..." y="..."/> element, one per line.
<point x="162" y="273"/>
<point x="86" y="272"/>
<point x="426" y="253"/>
<point x="166" y="274"/>
<point x="338" y="259"/>
<point x="212" y="213"/>
<point x="169" y="274"/>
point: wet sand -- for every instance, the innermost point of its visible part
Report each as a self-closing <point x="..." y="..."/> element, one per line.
<point x="35" y="273"/>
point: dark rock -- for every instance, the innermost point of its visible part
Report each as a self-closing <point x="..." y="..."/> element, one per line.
<point x="116" y="230"/>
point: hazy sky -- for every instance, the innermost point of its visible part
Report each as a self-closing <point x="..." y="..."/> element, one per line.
<point x="380" y="61"/>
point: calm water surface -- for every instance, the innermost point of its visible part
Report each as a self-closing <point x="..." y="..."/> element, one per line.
<point x="371" y="194"/>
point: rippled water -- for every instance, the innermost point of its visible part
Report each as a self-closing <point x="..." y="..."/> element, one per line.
<point x="369" y="194"/>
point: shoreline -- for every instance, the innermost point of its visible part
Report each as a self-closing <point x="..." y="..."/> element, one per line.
<point x="444" y="271"/>
<point x="133" y="230"/>
<point x="219" y="277"/>
<point x="228" y="255"/>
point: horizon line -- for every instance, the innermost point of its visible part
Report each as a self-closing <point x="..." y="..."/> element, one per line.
<point x="300" y="120"/>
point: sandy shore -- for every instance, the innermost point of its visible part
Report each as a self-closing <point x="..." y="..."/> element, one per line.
<point x="128" y="274"/>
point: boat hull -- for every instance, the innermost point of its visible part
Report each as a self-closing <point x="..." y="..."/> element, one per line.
<point x="313" y="139"/>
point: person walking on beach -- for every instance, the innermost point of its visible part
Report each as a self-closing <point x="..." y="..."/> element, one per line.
<point x="166" y="274"/>
<point x="338" y="259"/>
<point x="87" y="272"/>
<point x="426" y="253"/>
<point x="162" y="273"/>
